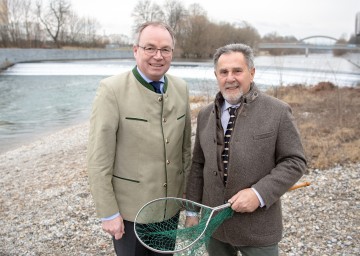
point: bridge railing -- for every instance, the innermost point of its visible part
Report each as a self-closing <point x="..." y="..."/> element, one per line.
<point x="301" y="45"/>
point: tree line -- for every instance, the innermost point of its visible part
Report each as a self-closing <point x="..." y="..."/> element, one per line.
<point x="54" y="23"/>
<point x="49" y="24"/>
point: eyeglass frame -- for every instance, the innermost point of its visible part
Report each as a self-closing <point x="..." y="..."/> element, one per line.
<point x="146" y="49"/>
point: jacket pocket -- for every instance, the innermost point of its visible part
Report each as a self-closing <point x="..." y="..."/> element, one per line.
<point x="264" y="135"/>
<point x="121" y="178"/>
<point x="180" y="117"/>
<point x="136" y="119"/>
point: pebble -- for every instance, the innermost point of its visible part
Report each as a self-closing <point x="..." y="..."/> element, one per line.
<point x="46" y="207"/>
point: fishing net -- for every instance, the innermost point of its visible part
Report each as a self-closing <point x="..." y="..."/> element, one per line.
<point x="160" y="225"/>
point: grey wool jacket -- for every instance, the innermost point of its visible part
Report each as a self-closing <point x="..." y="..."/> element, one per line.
<point x="266" y="153"/>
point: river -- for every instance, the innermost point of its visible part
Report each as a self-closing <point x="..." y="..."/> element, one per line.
<point x="40" y="98"/>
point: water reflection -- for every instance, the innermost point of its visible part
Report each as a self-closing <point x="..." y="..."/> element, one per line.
<point x="33" y="105"/>
<point x="37" y="98"/>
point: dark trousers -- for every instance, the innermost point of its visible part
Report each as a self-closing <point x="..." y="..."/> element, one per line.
<point x="128" y="245"/>
<point x="217" y="248"/>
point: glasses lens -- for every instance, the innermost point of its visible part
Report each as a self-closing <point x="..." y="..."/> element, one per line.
<point x="166" y="51"/>
<point x="152" y="51"/>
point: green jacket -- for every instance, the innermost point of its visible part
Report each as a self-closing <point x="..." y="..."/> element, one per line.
<point x="139" y="145"/>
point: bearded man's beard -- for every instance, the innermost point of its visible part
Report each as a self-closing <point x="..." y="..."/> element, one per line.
<point x="231" y="96"/>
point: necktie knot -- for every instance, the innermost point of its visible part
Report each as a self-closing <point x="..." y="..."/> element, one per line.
<point x="232" y="111"/>
<point x="156" y="85"/>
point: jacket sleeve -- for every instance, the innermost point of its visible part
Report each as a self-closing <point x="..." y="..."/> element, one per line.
<point x="186" y="150"/>
<point x="290" y="162"/>
<point x="195" y="179"/>
<point x="101" y="151"/>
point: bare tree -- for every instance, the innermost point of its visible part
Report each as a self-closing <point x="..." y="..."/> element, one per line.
<point x="174" y="12"/>
<point x="54" y="17"/>
<point x="15" y="22"/>
<point x="197" y="10"/>
<point x="91" y="28"/>
<point x="145" y="11"/>
<point x="75" y="28"/>
<point x="82" y="31"/>
<point x="28" y="21"/>
<point x="4" y="21"/>
<point x="194" y="36"/>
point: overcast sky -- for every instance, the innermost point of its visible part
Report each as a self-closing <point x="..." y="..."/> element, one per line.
<point x="335" y="18"/>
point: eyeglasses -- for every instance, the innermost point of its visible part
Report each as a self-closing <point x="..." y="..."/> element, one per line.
<point x="152" y="51"/>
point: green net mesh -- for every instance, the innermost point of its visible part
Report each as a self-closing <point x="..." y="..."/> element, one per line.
<point x="160" y="225"/>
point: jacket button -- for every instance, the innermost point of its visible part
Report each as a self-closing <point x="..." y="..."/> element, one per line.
<point x="167" y="161"/>
<point x="165" y="185"/>
<point x="215" y="173"/>
<point x="160" y="99"/>
<point x="167" y="141"/>
<point x="164" y="120"/>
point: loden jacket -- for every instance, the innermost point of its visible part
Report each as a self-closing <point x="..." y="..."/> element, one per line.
<point x="139" y="144"/>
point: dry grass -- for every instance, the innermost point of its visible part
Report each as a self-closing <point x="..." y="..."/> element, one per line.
<point x="328" y="118"/>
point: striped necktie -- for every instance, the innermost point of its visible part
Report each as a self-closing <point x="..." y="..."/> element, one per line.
<point x="229" y="129"/>
<point x="156" y="85"/>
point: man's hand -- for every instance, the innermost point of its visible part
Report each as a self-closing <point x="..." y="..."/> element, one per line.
<point x="114" y="227"/>
<point x="244" y="201"/>
<point x="191" y="221"/>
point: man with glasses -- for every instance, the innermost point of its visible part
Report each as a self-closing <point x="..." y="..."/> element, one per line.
<point x="139" y="143"/>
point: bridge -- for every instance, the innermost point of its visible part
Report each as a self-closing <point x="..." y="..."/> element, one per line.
<point x="303" y="44"/>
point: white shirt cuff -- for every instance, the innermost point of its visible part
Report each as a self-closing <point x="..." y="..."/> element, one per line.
<point x="111" y="217"/>
<point x="191" y="214"/>
<point x="262" y="204"/>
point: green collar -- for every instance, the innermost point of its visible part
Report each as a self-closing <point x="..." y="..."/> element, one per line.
<point x="146" y="84"/>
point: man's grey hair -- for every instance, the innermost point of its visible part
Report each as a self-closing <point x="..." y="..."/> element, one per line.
<point x="141" y="27"/>
<point x="243" y="48"/>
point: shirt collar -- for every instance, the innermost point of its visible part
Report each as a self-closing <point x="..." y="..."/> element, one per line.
<point x="227" y="105"/>
<point x="147" y="79"/>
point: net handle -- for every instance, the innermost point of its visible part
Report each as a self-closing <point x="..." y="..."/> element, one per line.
<point x="300" y="185"/>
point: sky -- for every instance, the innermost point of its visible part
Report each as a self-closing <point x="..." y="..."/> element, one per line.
<point x="334" y="18"/>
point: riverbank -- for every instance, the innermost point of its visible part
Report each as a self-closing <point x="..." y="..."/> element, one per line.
<point x="46" y="207"/>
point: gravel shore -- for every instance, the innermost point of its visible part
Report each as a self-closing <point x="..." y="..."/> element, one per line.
<point x="46" y="207"/>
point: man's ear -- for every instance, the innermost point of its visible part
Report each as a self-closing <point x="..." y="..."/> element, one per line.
<point x="252" y="72"/>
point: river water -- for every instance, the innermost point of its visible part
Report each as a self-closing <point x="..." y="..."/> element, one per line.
<point x="40" y="98"/>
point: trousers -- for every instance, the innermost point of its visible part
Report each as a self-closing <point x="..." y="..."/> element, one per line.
<point x="216" y="248"/>
<point x="129" y="245"/>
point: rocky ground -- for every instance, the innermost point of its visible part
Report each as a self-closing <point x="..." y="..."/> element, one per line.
<point x="46" y="208"/>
